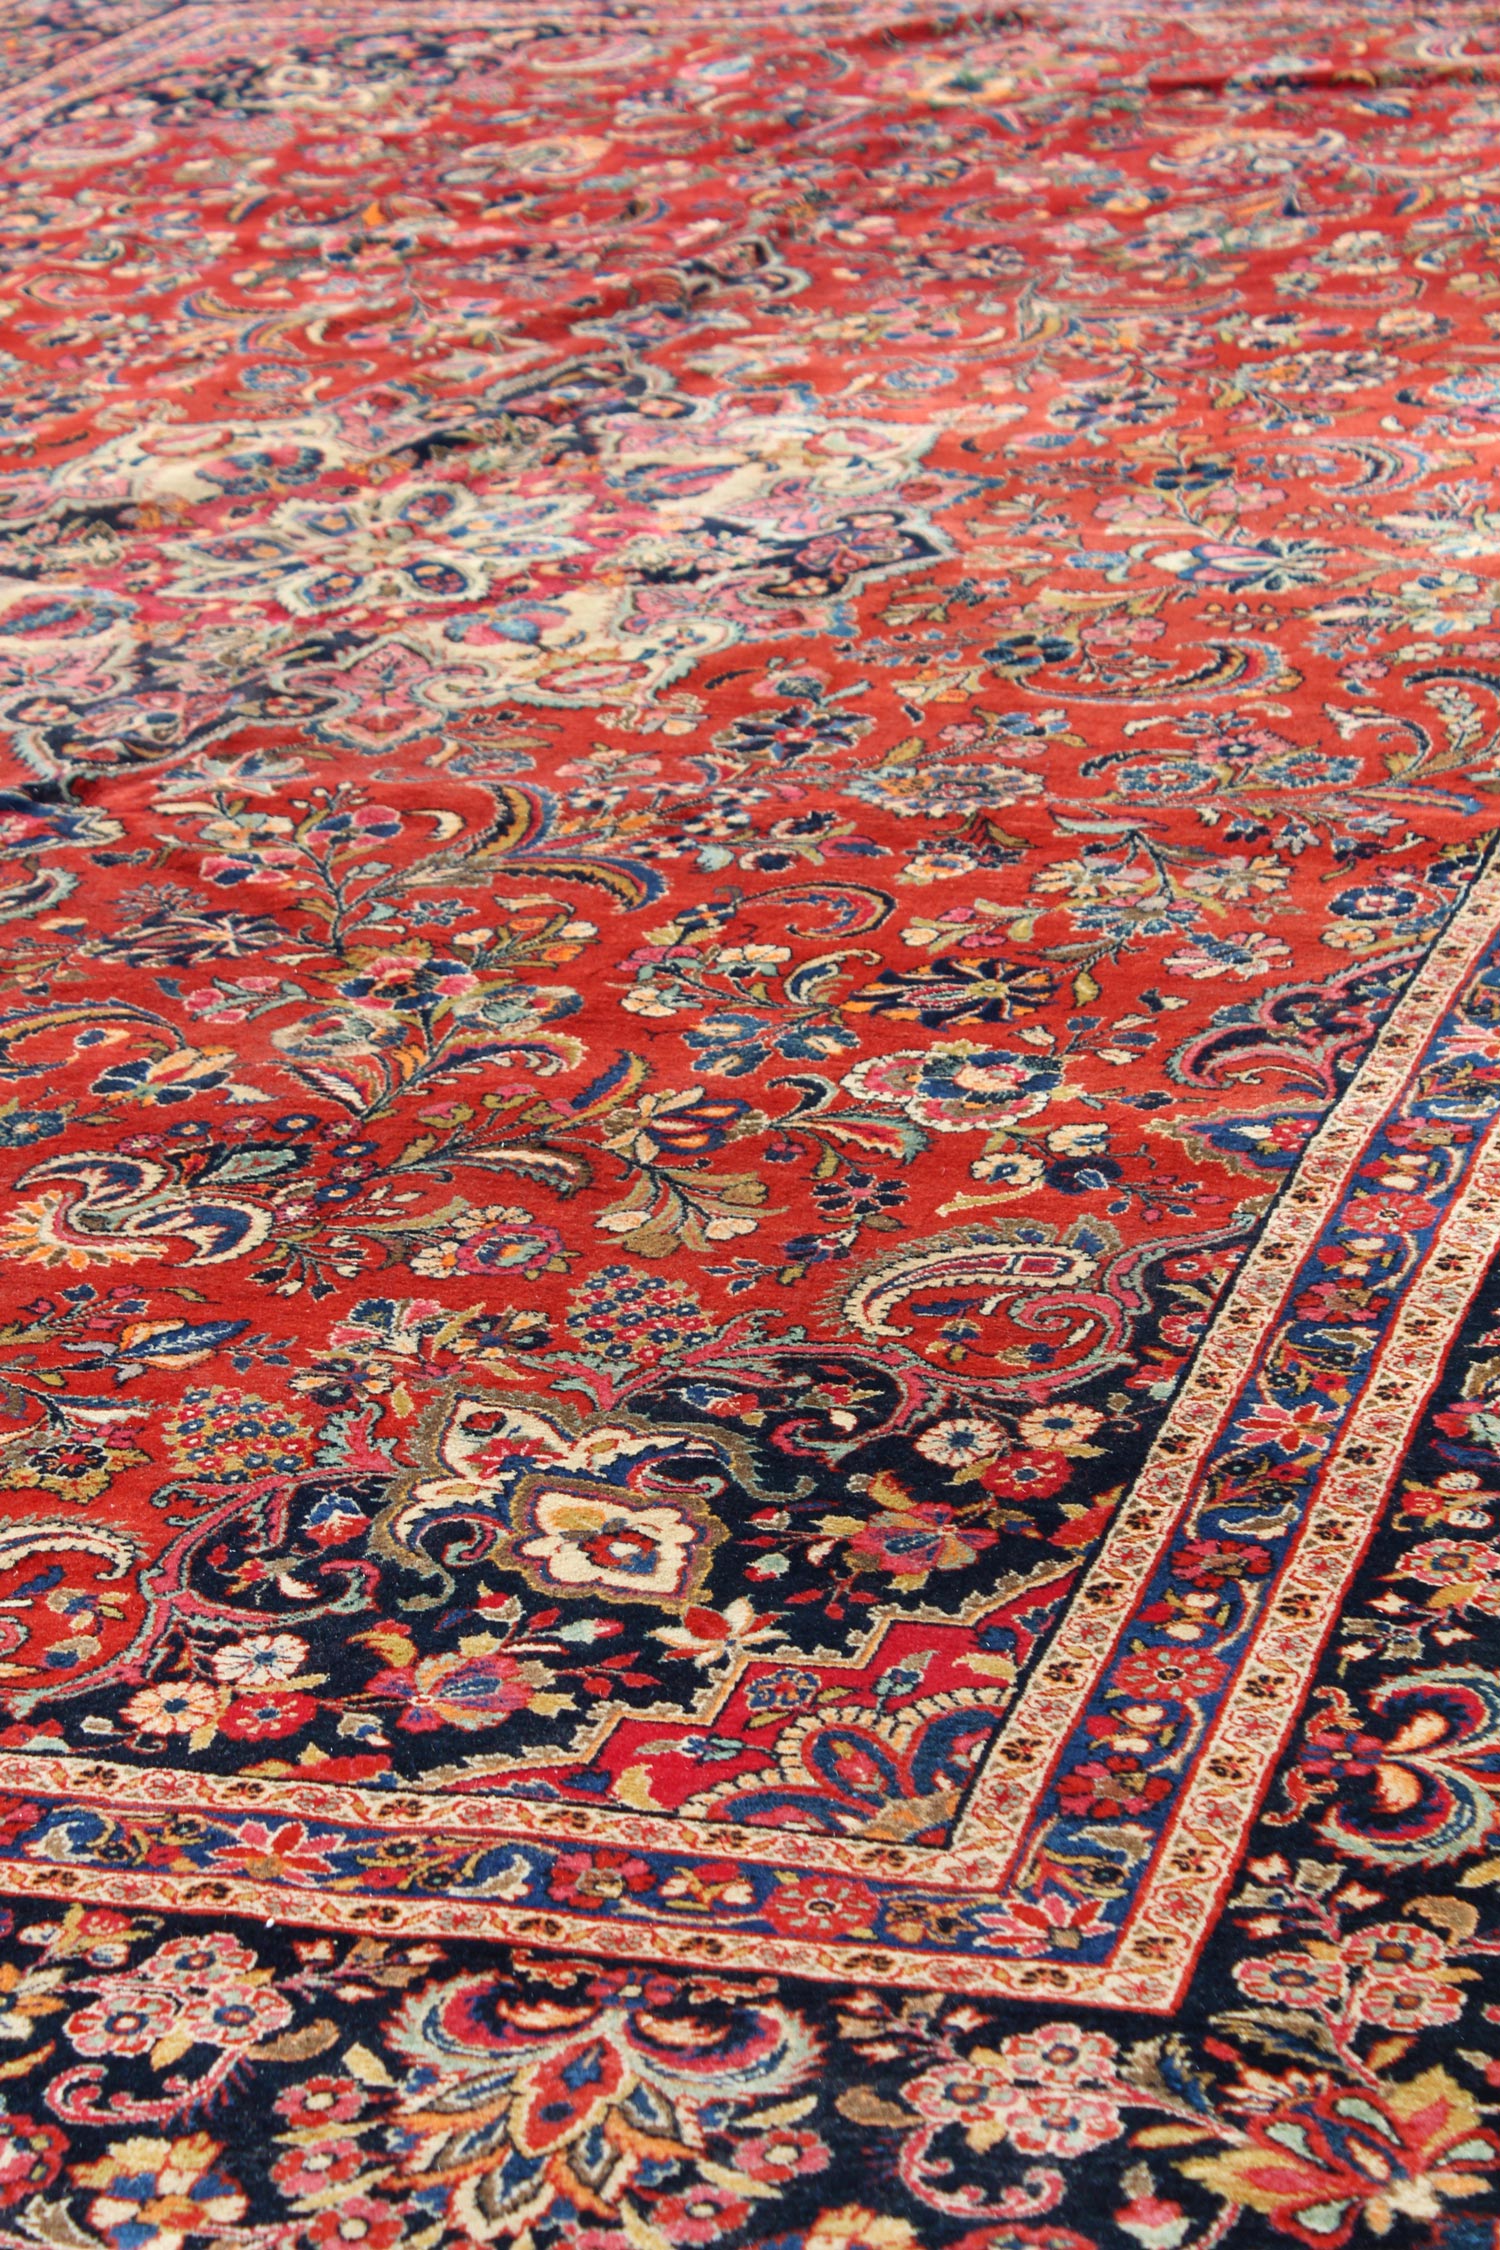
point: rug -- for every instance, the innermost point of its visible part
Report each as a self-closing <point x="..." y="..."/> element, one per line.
<point x="749" y="1060"/>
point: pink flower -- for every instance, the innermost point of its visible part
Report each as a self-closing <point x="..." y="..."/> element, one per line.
<point x="782" y="2156"/>
<point x="1294" y="1980"/>
<point x="1408" y="2002"/>
<point x="703" y="2214"/>
<point x="322" y="2101"/>
<point x="1288" y="1428"/>
<point x="127" y="2023"/>
<point x="313" y="2170"/>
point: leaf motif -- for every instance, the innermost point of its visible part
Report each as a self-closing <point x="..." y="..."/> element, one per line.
<point x="314" y="2038"/>
<point x="879" y="1135"/>
<point x="863" y="2106"/>
<point x="339" y="1086"/>
<point x="1454" y="1915"/>
<point x="367" y="2068"/>
<point x="1170" y="2136"/>
<point x="561" y="1171"/>
<point x="1281" y="2031"/>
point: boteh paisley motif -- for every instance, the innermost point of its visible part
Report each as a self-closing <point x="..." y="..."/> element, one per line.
<point x="574" y="1511"/>
<point x="749" y="1372"/>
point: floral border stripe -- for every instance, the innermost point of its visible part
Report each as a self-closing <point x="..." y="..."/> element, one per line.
<point x="405" y="1863"/>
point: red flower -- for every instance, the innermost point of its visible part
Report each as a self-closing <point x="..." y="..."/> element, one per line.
<point x="1037" y="1925"/>
<point x="358" y="2222"/>
<point x="1082" y="1531"/>
<point x="832" y="1906"/>
<point x="1387" y="1214"/>
<point x="267" y="1715"/>
<point x="920" y="1538"/>
<point x="275" y="1852"/>
<point x="1328" y="1302"/>
<point x="30" y="2158"/>
<point x="1218" y="1562"/>
<point x="1027" y="1476"/>
<point x="598" y="1878"/>
<point x="1177" y="1674"/>
<point x="1109" y="1788"/>
<point x="17" y="1814"/>
<point x="1317" y="2166"/>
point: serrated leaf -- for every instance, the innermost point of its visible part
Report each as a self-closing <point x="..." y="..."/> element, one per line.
<point x="875" y="1134"/>
<point x="566" y="1174"/>
<point x="339" y="1088"/>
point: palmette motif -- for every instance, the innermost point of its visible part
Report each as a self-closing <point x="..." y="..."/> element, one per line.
<point x="746" y="1081"/>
